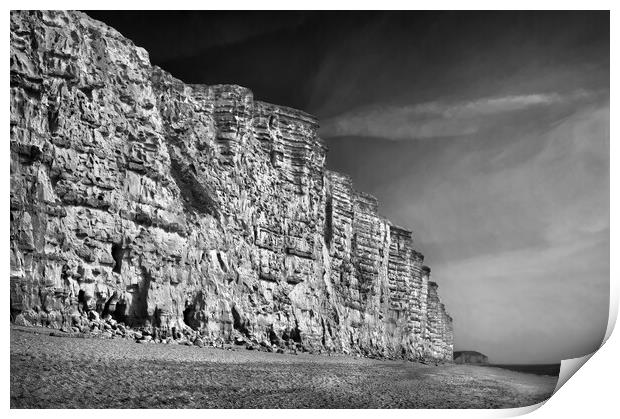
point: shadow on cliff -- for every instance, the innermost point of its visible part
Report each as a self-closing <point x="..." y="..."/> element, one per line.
<point x="196" y="194"/>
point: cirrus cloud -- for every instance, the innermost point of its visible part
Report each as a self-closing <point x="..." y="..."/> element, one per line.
<point x="440" y="119"/>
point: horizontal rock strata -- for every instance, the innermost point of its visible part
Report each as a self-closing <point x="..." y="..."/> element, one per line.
<point x="168" y="207"/>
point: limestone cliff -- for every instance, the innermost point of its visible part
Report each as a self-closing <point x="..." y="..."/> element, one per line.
<point x="172" y="206"/>
<point x="470" y="357"/>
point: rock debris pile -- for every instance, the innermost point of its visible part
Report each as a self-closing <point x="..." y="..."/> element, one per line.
<point x="142" y="206"/>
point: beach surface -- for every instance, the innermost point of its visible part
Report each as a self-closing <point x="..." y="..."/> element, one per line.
<point x="67" y="372"/>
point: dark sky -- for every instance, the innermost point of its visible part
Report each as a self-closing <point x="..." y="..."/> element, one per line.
<point x="486" y="133"/>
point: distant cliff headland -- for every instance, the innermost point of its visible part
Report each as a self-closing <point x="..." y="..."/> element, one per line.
<point x="193" y="212"/>
<point x="470" y="357"/>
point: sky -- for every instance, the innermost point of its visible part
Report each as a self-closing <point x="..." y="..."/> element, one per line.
<point x="485" y="133"/>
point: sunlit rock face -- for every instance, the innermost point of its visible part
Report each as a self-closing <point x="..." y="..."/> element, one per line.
<point x="168" y="205"/>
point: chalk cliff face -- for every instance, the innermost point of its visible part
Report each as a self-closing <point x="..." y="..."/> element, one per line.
<point x="167" y="205"/>
<point x="470" y="357"/>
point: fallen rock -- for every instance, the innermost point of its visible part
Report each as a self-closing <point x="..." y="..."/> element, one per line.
<point x="20" y="320"/>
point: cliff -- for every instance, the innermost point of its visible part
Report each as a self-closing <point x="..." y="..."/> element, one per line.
<point x="470" y="357"/>
<point x="172" y="207"/>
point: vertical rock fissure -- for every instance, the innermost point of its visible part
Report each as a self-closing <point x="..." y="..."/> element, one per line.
<point x="329" y="229"/>
<point x="117" y="255"/>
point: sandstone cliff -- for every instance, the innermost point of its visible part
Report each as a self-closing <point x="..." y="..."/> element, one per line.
<point x="171" y="206"/>
<point x="470" y="357"/>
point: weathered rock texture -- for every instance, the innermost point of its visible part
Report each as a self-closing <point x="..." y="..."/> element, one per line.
<point x="170" y="205"/>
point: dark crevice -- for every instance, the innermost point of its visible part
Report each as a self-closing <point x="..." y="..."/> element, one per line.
<point x="239" y="322"/>
<point x="221" y="262"/>
<point x="117" y="255"/>
<point x="189" y="316"/>
<point x="194" y="193"/>
<point x="110" y="305"/>
<point x="33" y="43"/>
<point x="52" y="119"/>
<point x="273" y="338"/>
<point x="295" y="333"/>
<point x="14" y="310"/>
<point x="157" y="317"/>
<point x="88" y="91"/>
<point x="82" y="300"/>
<point x="328" y="232"/>
<point x="272" y="122"/>
<point x="119" y="313"/>
<point x="138" y="309"/>
<point x="192" y="314"/>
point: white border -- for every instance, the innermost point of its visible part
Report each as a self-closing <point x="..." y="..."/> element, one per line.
<point x="592" y="393"/>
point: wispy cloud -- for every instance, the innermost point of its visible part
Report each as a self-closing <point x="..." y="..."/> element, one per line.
<point x="539" y="235"/>
<point x="440" y="119"/>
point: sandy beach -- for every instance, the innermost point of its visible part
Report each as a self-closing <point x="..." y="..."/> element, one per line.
<point x="65" y="372"/>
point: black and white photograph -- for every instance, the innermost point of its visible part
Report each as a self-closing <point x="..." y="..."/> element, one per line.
<point x="305" y="209"/>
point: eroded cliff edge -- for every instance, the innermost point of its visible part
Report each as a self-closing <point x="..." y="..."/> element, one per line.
<point x="168" y="206"/>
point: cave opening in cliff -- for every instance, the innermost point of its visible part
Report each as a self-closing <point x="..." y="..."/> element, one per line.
<point x="82" y="300"/>
<point x="189" y="316"/>
<point x="273" y="337"/>
<point x="117" y="255"/>
<point x="120" y="312"/>
<point x="295" y="333"/>
<point x="238" y="321"/>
